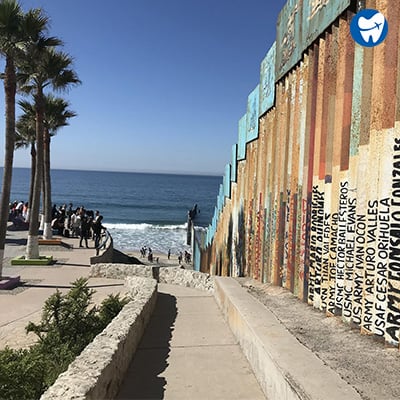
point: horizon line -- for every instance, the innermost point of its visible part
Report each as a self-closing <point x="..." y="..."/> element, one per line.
<point x="136" y="172"/>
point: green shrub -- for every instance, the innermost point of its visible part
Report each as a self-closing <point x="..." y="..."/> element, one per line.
<point x="110" y="307"/>
<point x="68" y="324"/>
<point x="22" y="374"/>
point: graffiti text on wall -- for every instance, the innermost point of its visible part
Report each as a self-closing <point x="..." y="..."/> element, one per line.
<point x="393" y="292"/>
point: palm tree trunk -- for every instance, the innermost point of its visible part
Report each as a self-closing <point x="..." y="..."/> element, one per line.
<point x="10" y="90"/>
<point x="47" y="232"/>
<point x="32" y="248"/>
<point x="33" y="171"/>
<point x="41" y="214"/>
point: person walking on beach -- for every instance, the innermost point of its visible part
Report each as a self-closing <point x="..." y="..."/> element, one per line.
<point x="169" y="253"/>
<point x="180" y="257"/>
<point x="150" y="256"/>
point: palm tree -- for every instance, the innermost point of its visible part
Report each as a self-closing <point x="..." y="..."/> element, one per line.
<point x="10" y="30"/>
<point x="45" y="68"/>
<point x="26" y="137"/>
<point x="56" y="116"/>
<point x="16" y="29"/>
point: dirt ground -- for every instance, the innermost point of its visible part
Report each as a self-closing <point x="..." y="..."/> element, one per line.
<point x="362" y="361"/>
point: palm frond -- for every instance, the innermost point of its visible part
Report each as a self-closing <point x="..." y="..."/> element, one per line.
<point x="34" y="23"/>
<point x="10" y="15"/>
<point x="57" y="113"/>
<point x="49" y="67"/>
<point x="25" y="128"/>
<point x="67" y="78"/>
<point x="10" y="23"/>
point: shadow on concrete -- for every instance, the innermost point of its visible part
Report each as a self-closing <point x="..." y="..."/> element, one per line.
<point x="143" y="380"/>
<point x="67" y="264"/>
<point x="16" y="242"/>
<point x="37" y="285"/>
<point x="21" y="226"/>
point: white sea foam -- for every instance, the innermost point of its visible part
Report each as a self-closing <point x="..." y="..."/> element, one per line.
<point x="160" y="238"/>
<point x="144" y="226"/>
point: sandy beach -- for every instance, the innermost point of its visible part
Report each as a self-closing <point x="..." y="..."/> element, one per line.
<point x="162" y="259"/>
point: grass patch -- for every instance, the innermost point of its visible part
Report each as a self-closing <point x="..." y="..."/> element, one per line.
<point x="42" y="260"/>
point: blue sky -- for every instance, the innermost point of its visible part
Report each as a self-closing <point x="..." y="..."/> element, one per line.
<point x="164" y="83"/>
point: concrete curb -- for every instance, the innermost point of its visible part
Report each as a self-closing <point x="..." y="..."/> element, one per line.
<point x="285" y="369"/>
<point x="98" y="371"/>
<point x="170" y="275"/>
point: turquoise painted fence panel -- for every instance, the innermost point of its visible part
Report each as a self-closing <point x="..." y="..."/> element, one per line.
<point x="227" y="181"/>
<point x="253" y="102"/>
<point x="234" y="163"/>
<point x="196" y="256"/>
<point x="221" y="198"/>
<point x="289" y="46"/>
<point x="318" y="15"/>
<point x="267" y="81"/>
<point x="241" y="152"/>
<point x="214" y="222"/>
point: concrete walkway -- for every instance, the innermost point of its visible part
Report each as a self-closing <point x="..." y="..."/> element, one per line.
<point x="189" y="352"/>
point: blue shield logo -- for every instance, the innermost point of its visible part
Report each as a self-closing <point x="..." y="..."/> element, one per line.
<point x="369" y="28"/>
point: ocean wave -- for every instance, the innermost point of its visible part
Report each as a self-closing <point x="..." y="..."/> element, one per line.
<point x="159" y="238"/>
<point x="144" y="226"/>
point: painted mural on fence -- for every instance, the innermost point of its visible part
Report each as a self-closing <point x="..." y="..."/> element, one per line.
<point x="317" y="16"/>
<point x="252" y="115"/>
<point x="267" y="81"/>
<point x="242" y="138"/>
<point x="315" y="206"/>
<point x="288" y="37"/>
<point x="300" y="23"/>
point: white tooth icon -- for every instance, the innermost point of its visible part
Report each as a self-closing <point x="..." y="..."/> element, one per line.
<point x="371" y="28"/>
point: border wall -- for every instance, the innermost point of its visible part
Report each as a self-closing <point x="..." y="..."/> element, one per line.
<point x="311" y="198"/>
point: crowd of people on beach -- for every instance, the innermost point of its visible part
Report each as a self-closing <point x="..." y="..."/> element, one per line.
<point x="78" y="222"/>
<point x="148" y="252"/>
<point x="19" y="214"/>
<point x="65" y="221"/>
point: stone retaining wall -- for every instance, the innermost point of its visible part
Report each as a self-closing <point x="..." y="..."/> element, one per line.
<point x="99" y="370"/>
<point x="120" y="271"/>
<point x="170" y="275"/>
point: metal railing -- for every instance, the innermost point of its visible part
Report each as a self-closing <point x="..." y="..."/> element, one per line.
<point x="106" y="238"/>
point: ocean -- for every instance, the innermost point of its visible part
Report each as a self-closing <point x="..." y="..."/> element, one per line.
<point x="139" y="209"/>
